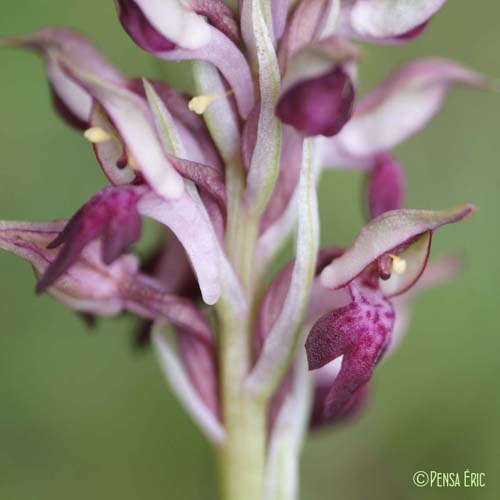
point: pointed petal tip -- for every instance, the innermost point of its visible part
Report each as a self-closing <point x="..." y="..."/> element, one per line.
<point x="386" y="232"/>
<point x="463" y="211"/>
<point x="16" y="41"/>
<point x="46" y="280"/>
<point x="40" y="287"/>
<point x="312" y="363"/>
<point x="7" y="42"/>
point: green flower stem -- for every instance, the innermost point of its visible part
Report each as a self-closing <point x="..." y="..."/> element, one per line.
<point x="242" y="458"/>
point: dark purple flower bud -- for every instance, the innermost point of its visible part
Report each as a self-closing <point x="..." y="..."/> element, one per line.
<point x="111" y="215"/>
<point x="320" y="105"/>
<point x="144" y="34"/>
<point x="360" y="332"/>
<point x="386" y="186"/>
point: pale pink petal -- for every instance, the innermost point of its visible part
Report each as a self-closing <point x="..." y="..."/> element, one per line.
<point x="385" y="234"/>
<point x="111" y="154"/>
<point x="386" y="21"/>
<point x="228" y="59"/>
<point x="186" y="220"/>
<point x="399" y="108"/>
<point x="415" y="256"/>
<point x="178" y="379"/>
<point x="172" y="31"/>
<point x="131" y="117"/>
<point x="88" y="286"/>
<point x="279" y="11"/>
<point x="303" y="27"/>
<point x="190" y="127"/>
<point x="199" y="359"/>
<point x="60" y="45"/>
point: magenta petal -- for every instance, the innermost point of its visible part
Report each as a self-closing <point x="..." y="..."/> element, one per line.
<point x="359" y="332"/>
<point x="207" y="178"/>
<point x="386" y="187"/>
<point x="122" y="231"/>
<point x="318" y="106"/>
<point x="112" y="214"/>
<point x="139" y="28"/>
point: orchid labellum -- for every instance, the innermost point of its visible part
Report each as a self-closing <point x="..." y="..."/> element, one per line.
<point x="229" y="175"/>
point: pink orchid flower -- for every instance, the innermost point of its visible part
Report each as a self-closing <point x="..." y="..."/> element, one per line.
<point x="229" y="174"/>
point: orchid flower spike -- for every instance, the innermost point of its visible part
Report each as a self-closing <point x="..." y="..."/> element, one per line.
<point x="229" y="173"/>
<point x="386" y="259"/>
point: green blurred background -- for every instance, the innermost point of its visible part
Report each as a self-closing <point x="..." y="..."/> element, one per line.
<point x="84" y="416"/>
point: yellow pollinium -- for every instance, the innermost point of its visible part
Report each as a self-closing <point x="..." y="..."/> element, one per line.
<point x="97" y="135"/>
<point x="399" y="265"/>
<point x="200" y="103"/>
